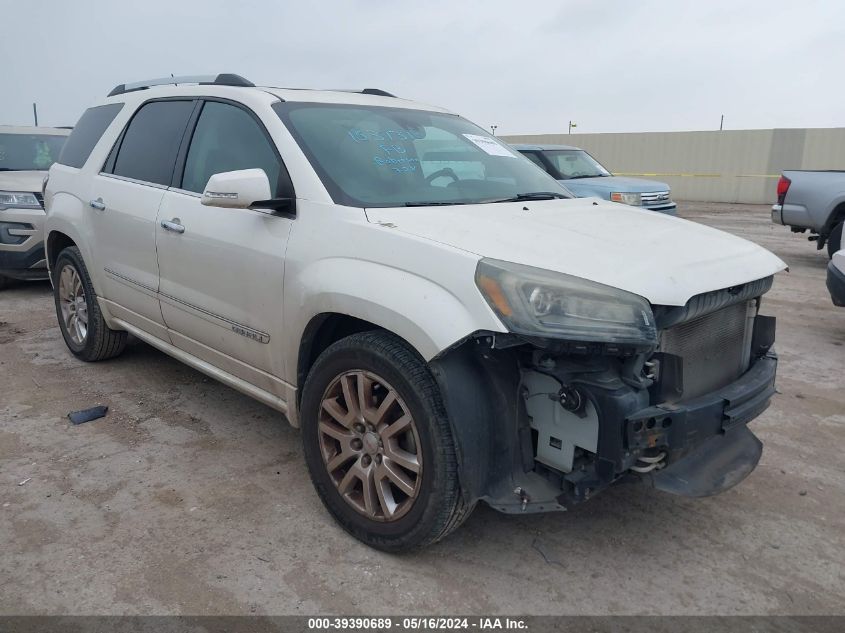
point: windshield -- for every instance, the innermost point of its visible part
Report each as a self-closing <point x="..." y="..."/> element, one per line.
<point x="29" y="152"/>
<point x="370" y="156"/>
<point x="575" y="163"/>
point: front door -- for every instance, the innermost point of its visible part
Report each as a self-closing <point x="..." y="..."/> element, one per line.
<point x="221" y="269"/>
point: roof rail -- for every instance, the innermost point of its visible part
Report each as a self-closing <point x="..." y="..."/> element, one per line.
<point x="223" y="79"/>
<point x="376" y="91"/>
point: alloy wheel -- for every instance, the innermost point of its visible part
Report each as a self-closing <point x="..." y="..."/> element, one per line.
<point x="73" y="305"/>
<point x="370" y="445"/>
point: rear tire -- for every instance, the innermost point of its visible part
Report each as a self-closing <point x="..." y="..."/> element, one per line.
<point x="80" y="319"/>
<point x="397" y="443"/>
<point x="4" y="281"/>
<point x="834" y="240"/>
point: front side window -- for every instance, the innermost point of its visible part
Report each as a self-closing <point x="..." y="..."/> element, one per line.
<point x="87" y="133"/>
<point x="227" y="138"/>
<point x="29" y="152"/>
<point x="575" y="163"/>
<point x="150" y="143"/>
<point x="370" y="156"/>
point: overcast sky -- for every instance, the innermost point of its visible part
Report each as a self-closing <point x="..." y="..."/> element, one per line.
<point x="526" y="66"/>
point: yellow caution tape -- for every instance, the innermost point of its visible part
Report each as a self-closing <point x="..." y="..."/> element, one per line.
<point x="625" y="173"/>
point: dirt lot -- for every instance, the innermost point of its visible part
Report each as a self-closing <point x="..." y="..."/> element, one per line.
<point x="190" y="498"/>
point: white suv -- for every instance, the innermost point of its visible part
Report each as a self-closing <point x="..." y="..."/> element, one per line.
<point x="425" y="303"/>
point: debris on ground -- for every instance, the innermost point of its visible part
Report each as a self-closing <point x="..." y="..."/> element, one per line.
<point x="86" y="415"/>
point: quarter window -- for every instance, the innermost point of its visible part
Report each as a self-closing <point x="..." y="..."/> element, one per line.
<point x="150" y="143"/>
<point x="86" y="134"/>
<point x="227" y="138"/>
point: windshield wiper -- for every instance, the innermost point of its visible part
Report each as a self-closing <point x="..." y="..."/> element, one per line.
<point x="533" y="195"/>
<point x="433" y="203"/>
<point x="588" y="176"/>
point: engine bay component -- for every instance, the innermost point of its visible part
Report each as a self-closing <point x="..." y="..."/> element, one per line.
<point x="564" y="420"/>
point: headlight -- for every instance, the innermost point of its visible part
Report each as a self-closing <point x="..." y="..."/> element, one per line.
<point x="18" y="199"/>
<point x="540" y="302"/>
<point x="634" y="199"/>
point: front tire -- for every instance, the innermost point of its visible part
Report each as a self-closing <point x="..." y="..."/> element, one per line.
<point x="378" y="444"/>
<point x="834" y="240"/>
<point x="80" y="320"/>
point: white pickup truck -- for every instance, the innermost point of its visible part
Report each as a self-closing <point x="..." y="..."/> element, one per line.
<point x="442" y="322"/>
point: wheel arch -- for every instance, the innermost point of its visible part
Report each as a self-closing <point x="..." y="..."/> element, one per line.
<point x="835" y="216"/>
<point x="55" y="243"/>
<point x="320" y="332"/>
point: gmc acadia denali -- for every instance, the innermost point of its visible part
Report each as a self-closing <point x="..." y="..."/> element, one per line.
<point x="440" y="319"/>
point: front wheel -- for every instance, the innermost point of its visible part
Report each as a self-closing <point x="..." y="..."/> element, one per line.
<point x="80" y="320"/>
<point x="378" y="444"/>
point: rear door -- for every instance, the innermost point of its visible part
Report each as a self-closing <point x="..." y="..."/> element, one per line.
<point x="125" y="199"/>
<point x="222" y="274"/>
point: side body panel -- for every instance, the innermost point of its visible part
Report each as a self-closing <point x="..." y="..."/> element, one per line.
<point x="125" y="235"/>
<point x="221" y="286"/>
<point x="812" y="198"/>
<point x="421" y="290"/>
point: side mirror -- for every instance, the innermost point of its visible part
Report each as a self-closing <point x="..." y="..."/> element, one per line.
<point x="239" y="189"/>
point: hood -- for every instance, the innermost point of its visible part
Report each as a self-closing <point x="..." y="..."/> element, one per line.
<point x="616" y="183"/>
<point x="30" y="181"/>
<point x="664" y="259"/>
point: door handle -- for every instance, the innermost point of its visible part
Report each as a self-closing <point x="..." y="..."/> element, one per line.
<point x="97" y="204"/>
<point x="173" y="225"/>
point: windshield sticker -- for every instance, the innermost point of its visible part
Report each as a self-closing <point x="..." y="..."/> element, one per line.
<point x="395" y="159"/>
<point x="408" y="134"/>
<point x="399" y="165"/>
<point x="43" y="158"/>
<point x="489" y="146"/>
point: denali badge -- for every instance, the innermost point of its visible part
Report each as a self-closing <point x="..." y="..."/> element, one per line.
<point x="255" y="335"/>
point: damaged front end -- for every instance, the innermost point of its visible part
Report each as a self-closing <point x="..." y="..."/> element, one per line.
<point x="543" y="423"/>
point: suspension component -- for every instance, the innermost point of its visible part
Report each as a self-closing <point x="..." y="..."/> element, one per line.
<point x="647" y="464"/>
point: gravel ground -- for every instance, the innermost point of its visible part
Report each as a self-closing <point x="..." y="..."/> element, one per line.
<point x="189" y="498"/>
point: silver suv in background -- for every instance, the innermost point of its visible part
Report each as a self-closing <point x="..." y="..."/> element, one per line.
<point x="26" y="153"/>
<point x="584" y="176"/>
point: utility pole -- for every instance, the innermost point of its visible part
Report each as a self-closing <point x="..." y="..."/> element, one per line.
<point x="493" y="127"/>
<point x="721" y="123"/>
<point x="571" y="125"/>
<point x="35" y="114"/>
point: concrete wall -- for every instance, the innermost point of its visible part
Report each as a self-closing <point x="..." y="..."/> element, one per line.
<point x="726" y="166"/>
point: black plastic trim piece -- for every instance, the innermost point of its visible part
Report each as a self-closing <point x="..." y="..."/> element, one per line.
<point x="13" y="262"/>
<point x="377" y="92"/>
<point x="836" y="285"/>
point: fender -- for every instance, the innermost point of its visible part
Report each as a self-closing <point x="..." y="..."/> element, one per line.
<point x="426" y="315"/>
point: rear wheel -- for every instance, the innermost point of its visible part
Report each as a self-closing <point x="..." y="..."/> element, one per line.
<point x="80" y="320"/>
<point x="834" y="240"/>
<point x="378" y="445"/>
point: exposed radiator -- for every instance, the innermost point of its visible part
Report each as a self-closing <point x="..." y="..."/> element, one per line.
<point x="715" y="349"/>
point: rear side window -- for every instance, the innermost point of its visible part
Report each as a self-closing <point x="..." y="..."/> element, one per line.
<point x="87" y="134"/>
<point x="150" y="143"/>
<point x="227" y="138"/>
